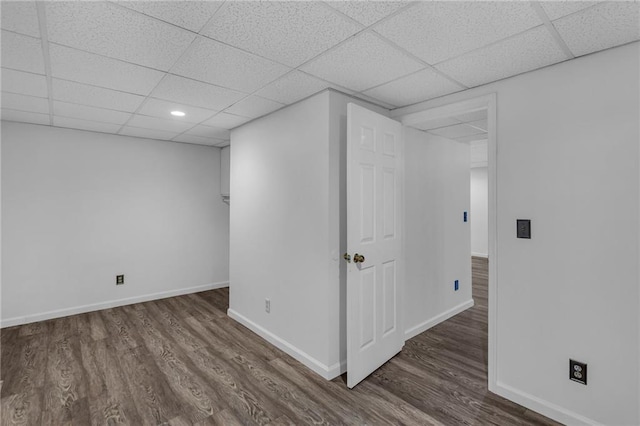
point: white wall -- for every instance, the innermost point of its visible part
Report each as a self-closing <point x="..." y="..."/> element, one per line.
<point x="79" y="207"/>
<point x="288" y="229"/>
<point x="280" y="228"/>
<point x="479" y="214"/>
<point x="437" y="240"/>
<point x="225" y="171"/>
<point x="568" y="159"/>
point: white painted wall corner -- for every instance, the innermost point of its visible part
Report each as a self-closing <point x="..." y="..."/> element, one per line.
<point x="327" y="372"/>
<point x="431" y="322"/>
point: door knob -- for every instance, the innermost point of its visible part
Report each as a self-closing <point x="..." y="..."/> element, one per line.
<point x="358" y="258"/>
<point x="347" y="257"/>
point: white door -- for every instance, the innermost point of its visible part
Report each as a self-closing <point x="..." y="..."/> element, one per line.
<point x="375" y="173"/>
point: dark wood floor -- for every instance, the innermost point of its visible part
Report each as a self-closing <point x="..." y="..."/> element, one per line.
<point x="182" y="361"/>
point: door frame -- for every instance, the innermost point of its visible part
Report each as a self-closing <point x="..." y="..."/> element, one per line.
<point x="488" y="101"/>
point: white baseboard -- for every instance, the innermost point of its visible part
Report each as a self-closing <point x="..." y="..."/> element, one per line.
<point x="543" y="407"/>
<point x="485" y="255"/>
<point x="415" y="330"/>
<point x="327" y="372"/>
<point x="59" y="313"/>
<point x="337" y="369"/>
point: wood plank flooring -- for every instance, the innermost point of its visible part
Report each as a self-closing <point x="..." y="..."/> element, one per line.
<point x="182" y="361"/>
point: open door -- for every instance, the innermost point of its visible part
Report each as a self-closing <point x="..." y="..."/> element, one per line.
<point x="375" y="179"/>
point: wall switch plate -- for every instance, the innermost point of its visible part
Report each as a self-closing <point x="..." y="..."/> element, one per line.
<point x="523" y="227"/>
<point x="578" y="371"/>
<point x="456" y="285"/>
<point x="466" y="216"/>
<point x="267" y="305"/>
<point x="119" y="279"/>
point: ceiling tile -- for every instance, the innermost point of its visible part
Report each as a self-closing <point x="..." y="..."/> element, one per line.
<point x="438" y="30"/>
<point x="209" y="132"/>
<point x="69" y="91"/>
<point x="173" y="124"/>
<point x="22" y="53"/>
<point x="362" y="62"/>
<point x="292" y="87"/>
<point x="94" y="126"/>
<point x="24" y="83"/>
<point x="25" y="117"/>
<point x="456" y="131"/>
<point x="83" y="112"/>
<point x="434" y="124"/>
<point x="226" y="121"/>
<point x="107" y="29"/>
<point x="20" y="17"/>
<point x="288" y="32"/>
<point x="198" y="140"/>
<point x="25" y="103"/>
<point x="423" y="85"/>
<point x="254" y="106"/>
<point x="83" y="67"/>
<point x="524" y="52"/>
<point x="192" y="92"/>
<point x="480" y="114"/>
<point x="188" y="14"/>
<point x="367" y="12"/>
<point x="231" y="68"/>
<point x="558" y="9"/>
<point x="605" y="25"/>
<point x="162" y="109"/>
<point x="480" y="124"/>
<point x="147" y="133"/>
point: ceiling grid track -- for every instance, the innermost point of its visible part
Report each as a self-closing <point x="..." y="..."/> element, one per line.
<point x="364" y="29"/>
<point x="552" y="30"/>
<point x="166" y="73"/>
<point x="426" y="65"/>
<point x="44" y="39"/>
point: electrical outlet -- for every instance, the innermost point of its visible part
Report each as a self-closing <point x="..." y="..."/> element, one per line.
<point x="119" y="279"/>
<point x="456" y="285"/>
<point x="267" y="305"/>
<point x="578" y="371"/>
<point x="465" y="217"/>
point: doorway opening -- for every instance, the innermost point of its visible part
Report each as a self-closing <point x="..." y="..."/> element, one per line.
<point x="473" y="122"/>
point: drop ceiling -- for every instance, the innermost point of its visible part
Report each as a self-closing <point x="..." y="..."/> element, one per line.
<point x="467" y="127"/>
<point x="122" y="67"/>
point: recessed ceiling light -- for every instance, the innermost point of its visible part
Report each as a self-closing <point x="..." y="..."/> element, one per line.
<point x="178" y="113"/>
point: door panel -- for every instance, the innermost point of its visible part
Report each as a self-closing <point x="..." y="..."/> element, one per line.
<point x="389" y="203"/>
<point x="389" y="294"/>
<point x="368" y="203"/>
<point x="368" y="311"/>
<point x="374" y="230"/>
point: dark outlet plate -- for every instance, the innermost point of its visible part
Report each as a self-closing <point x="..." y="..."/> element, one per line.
<point x="119" y="279"/>
<point x="523" y="227"/>
<point x="578" y="371"/>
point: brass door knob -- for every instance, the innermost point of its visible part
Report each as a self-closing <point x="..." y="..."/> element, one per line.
<point x="347" y="257"/>
<point x="358" y="258"/>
